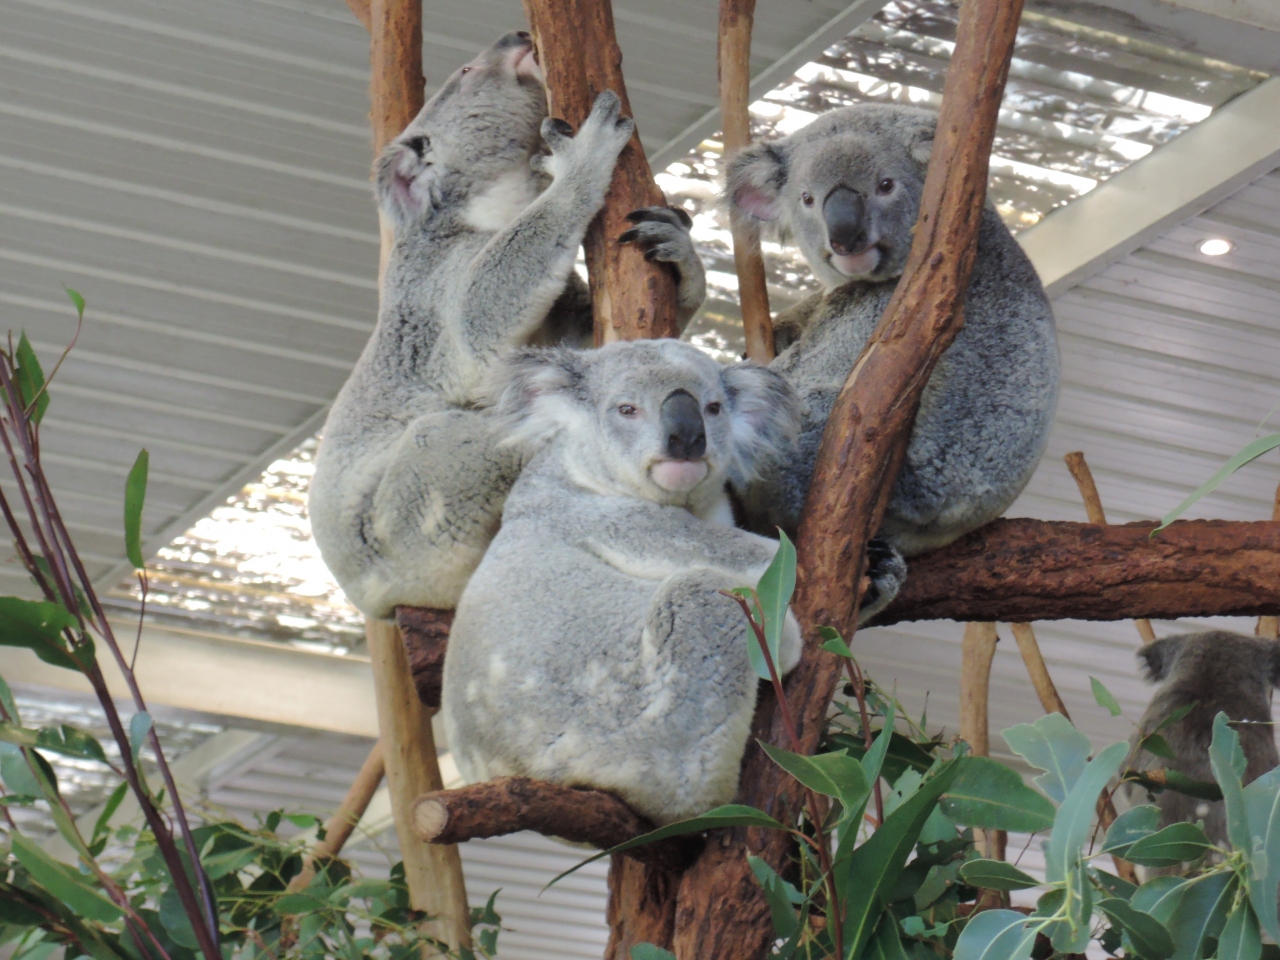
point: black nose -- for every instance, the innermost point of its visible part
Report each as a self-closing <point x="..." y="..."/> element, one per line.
<point x="682" y="421"/>
<point x="845" y="212"/>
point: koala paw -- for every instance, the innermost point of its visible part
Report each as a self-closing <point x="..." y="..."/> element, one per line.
<point x="886" y="571"/>
<point x="588" y="158"/>
<point x="790" y="646"/>
<point x="663" y="232"/>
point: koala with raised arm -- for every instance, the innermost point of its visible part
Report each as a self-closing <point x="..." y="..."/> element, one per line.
<point x="592" y="645"/>
<point x="846" y="189"/>
<point x="410" y="481"/>
<point x="1217" y="671"/>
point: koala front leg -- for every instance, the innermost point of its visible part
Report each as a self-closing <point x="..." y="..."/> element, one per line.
<point x="663" y="232"/>
<point x="512" y="284"/>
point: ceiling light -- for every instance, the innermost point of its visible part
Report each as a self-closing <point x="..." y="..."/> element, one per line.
<point x="1215" y="246"/>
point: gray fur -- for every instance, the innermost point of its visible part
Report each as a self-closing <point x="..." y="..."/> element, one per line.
<point x="591" y="646"/>
<point x="1218" y="671"/>
<point x="986" y="412"/>
<point x="410" y="478"/>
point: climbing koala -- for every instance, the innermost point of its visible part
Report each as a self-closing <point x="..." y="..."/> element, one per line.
<point x="410" y="480"/>
<point x="1217" y="671"/>
<point x="846" y="189"/>
<point x="592" y="645"/>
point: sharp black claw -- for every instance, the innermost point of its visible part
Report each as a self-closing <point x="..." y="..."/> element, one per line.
<point x="683" y="214"/>
<point x="629" y="235"/>
<point x="562" y="127"/>
<point x="638" y="216"/>
<point x="651" y="255"/>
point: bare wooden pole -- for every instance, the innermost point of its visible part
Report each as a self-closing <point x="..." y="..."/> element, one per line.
<point x="734" y="60"/>
<point x="1093" y="509"/>
<point x="1270" y="626"/>
<point x="361" y="9"/>
<point x="578" y="50"/>
<point x="338" y="829"/>
<point x="1037" y="670"/>
<point x="977" y="651"/>
<point x="721" y="911"/>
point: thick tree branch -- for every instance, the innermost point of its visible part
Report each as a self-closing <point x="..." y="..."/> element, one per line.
<point x="512" y="804"/>
<point x="426" y="635"/>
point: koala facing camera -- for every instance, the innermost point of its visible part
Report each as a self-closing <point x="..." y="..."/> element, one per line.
<point x="489" y="201"/>
<point x="846" y="189"/>
<point x="592" y="645"/>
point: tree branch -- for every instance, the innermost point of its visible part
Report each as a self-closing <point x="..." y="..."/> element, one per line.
<point x="512" y="804"/>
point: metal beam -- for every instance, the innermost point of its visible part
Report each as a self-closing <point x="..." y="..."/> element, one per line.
<point x="261" y="682"/>
<point x="1237" y="144"/>
<point x="771" y="76"/>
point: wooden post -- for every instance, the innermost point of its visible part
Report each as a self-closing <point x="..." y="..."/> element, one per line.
<point x="578" y="50"/>
<point x="1269" y="627"/>
<point x="977" y="650"/>
<point x="338" y="829"/>
<point x="433" y="872"/>
<point x="734" y="60"/>
<point x="1093" y="509"/>
<point x="1037" y="670"/>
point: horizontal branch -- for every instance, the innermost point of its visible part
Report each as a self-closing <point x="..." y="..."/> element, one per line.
<point x="512" y="804"/>
<point x="1024" y="570"/>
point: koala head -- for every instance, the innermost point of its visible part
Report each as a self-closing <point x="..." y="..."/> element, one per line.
<point x="1214" y="665"/>
<point x="846" y="188"/>
<point x="654" y="419"/>
<point x="482" y="125"/>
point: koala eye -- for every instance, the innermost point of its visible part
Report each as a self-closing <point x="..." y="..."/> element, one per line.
<point x="884" y="186"/>
<point x="713" y="408"/>
<point x="807" y="198"/>
<point x="627" y="410"/>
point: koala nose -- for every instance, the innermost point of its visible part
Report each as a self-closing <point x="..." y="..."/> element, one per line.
<point x="682" y="421"/>
<point x="845" y="212"/>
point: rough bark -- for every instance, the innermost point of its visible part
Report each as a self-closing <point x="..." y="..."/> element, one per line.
<point x="721" y="912"/>
<point x="633" y="298"/>
<point x="1024" y="570"/>
<point x="396" y="83"/>
<point x="426" y="635"/>
<point x="1269" y="627"/>
<point x="734" y="61"/>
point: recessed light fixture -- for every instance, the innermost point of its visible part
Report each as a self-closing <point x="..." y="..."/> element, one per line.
<point x="1215" y="247"/>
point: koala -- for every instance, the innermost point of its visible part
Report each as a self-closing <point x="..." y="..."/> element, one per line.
<point x="1217" y="671"/>
<point x="846" y="189"/>
<point x="488" y="200"/>
<point x="592" y="645"/>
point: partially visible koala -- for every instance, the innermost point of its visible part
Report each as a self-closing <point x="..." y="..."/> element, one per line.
<point x="846" y="189"/>
<point x="592" y="645"/>
<point x="410" y="481"/>
<point x="1217" y="671"/>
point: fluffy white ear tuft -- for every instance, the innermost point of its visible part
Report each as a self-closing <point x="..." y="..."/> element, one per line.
<point x="754" y="181"/>
<point x="766" y="417"/>
<point x="408" y="180"/>
<point x="537" y="393"/>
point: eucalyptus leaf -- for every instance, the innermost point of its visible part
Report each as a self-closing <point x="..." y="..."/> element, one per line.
<point x="989" y="795"/>
<point x="1248" y="454"/>
<point x="1155" y="743"/>
<point x="8" y="703"/>
<point x="1149" y="938"/>
<point x="1161" y="897"/>
<point x="64" y="883"/>
<point x="996" y="875"/>
<point x="647" y="951"/>
<point x="779" y="895"/>
<point x="832" y="642"/>
<point x="1175" y="844"/>
<point x="1201" y="914"/>
<point x="37" y="625"/>
<point x="1262" y="812"/>
<point x="1240" y="939"/>
<point x="1114" y="886"/>
<point x="831" y="774"/>
<point x="109" y="808"/>
<point x="1072" y="935"/>
<point x="139" y="726"/>
<point x="135" y="495"/>
<point x="1104" y="697"/>
<point x="873" y="760"/>
<point x="996" y="935"/>
<point x="886" y="943"/>
<point x="1075" y="815"/>
<point x="76" y="300"/>
<point x="1130" y="827"/>
<point x="1226" y="759"/>
<point x="1054" y="745"/>
<point x="31" y="386"/>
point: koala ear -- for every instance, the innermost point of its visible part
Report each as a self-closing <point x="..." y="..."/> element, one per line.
<point x="754" y="181"/>
<point x="1158" y="658"/>
<point x="920" y="139"/>
<point x="408" y="179"/>
<point x="536" y="393"/>
<point x="766" y="416"/>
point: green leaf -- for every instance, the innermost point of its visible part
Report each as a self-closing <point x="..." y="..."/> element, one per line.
<point x="70" y="741"/>
<point x="174" y="919"/>
<point x="886" y="943"/>
<point x="873" y="759"/>
<point x="8" y="703"/>
<point x="729" y="815"/>
<point x="1161" y="897"/>
<point x="1262" y="812"/>
<point x="1051" y="744"/>
<point x="1104" y="697"/>
<point x="35" y="397"/>
<point x="1201" y="914"/>
<point x="135" y="494"/>
<point x="832" y="642"/>
<point x="62" y="882"/>
<point x="902" y="754"/>
<point x="996" y="935"/>
<point x="1176" y="715"/>
<point x="995" y="875"/>
<point x="779" y="894"/>
<point x="647" y="951"/>
<point x="1113" y="886"/>
<point x="1150" y="939"/>
<point x="38" y="626"/>
<point x="76" y="300"/>
<point x="1247" y="455"/>
<point x="1176" y="843"/>
<point x="222" y="864"/>
<point x="1075" y="815"/>
<point x="112" y="805"/>
<point x="1158" y="745"/>
<point x="1240" y="939"/>
<point x="989" y="795"/>
<point x="1226" y="760"/>
<point x="831" y="774"/>
<point x="874" y="868"/>
<point x="139" y="726"/>
<point x="1130" y="827"/>
<point x="16" y="772"/>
